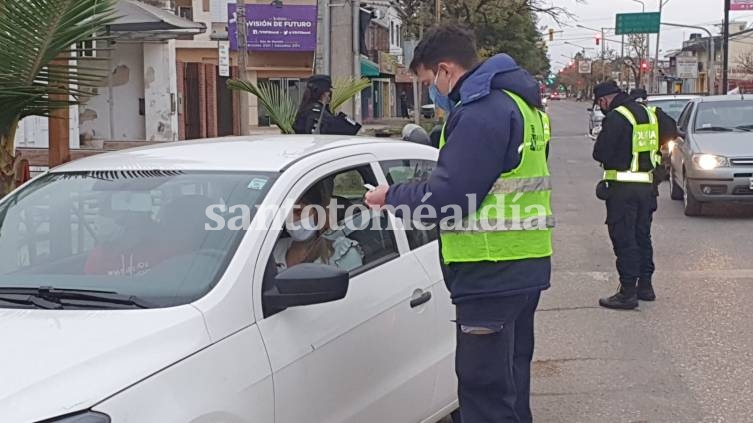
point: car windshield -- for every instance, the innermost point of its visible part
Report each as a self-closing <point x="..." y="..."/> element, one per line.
<point x="671" y="107"/>
<point x="725" y="116"/>
<point x="134" y="233"/>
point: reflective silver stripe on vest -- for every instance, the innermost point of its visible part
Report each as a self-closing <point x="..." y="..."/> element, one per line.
<point x="512" y="186"/>
<point x="531" y="223"/>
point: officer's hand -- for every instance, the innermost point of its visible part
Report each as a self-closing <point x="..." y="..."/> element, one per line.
<point x="377" y="198"/>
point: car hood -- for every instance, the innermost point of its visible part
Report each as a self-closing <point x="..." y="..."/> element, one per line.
<point x="728" y="144"/>
<point x="58" y="362"/>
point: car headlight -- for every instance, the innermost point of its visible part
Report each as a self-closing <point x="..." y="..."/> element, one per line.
<point x="87" y="417"/>
<point x="710" y="161"/>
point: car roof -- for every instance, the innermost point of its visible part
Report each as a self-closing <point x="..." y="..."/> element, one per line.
<point x="245" y="153"/>
<point x="729" y="97"/>
<point x="672" y="97"/>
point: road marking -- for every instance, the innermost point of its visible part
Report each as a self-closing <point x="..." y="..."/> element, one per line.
<point x="691" y="274"/>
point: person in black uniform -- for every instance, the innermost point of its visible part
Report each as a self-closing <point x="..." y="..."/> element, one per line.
<point x="314" y="105"/>
<point x="639" y="94"/>
<point x="629" y="189"/>
<point x="314" y="115"/>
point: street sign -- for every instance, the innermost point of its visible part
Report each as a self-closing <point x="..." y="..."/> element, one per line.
<point x="687" y="67"/>
<point x="584" y="66"/>
<point x="224" y="58"/>
<point x="638" y="23"/>
<point x="741" y="5"/>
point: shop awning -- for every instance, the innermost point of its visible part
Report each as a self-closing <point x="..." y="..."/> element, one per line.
<point x="369" y="69"/>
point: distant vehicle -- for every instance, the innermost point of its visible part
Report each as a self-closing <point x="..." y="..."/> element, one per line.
<point x="555" y="96"/>
<point x="672" y="105"/>
<point x="712" y="160"/>
<point x="595" y="116"/>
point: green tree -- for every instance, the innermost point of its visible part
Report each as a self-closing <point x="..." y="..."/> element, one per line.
<point x="37" y="40"/>
<point x="501" y="26"/>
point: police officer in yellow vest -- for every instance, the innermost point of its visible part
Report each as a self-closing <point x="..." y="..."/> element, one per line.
<point x="628" y="150"/>
<point x="491" y="192"/>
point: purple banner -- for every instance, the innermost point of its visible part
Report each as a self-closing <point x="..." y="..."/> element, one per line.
<point x="272" y="28"/>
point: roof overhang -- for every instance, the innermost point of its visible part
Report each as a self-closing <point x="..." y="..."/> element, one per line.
<point x="142" y="22"/>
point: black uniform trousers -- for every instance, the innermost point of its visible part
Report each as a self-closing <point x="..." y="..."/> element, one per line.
<point x="494" y="369"/>
<point x="630" y="209"/>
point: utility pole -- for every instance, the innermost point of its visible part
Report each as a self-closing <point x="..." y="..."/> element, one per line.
<point x="653" y="81"/>
<point x="725" y="67"/>
<point x="58" y="147"/>
<point x="438" y="11"/>
<point x="243" y="64"/>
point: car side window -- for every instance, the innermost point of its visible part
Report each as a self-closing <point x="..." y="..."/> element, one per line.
<point x="345" y="233"/>
<point x="684" y="118"/>
<point x="411" y="170"/>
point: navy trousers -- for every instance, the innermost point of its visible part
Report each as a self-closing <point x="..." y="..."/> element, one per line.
<point x="494" y="369"/>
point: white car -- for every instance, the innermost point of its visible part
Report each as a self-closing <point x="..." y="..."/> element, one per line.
<point x="672" y="105"/>
<point x="118" y="305"/>
<point x="595" y="116"/>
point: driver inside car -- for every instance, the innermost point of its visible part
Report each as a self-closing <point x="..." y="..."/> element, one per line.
<point x="311" y="241"/>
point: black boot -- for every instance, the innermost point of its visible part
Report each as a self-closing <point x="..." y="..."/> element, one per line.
<point x="625" y="299"/>
<point x="646" y="290"/>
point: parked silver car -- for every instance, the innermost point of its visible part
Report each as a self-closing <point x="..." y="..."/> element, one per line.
<point x="595" y="116"/>
<point x="712" y="160"/>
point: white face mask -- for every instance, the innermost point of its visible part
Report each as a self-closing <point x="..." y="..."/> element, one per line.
<point x="300" y="231"/>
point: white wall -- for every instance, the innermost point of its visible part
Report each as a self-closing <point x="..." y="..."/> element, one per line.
<point x="160" y="90"/>
<point x="33" y="131"/>
<point x="127" y="87"/>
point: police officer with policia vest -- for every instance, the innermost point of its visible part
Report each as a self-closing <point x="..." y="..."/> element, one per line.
<point x="628" y="149"/>
<point x="496" y="261"/>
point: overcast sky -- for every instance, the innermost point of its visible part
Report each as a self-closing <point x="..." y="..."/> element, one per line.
<point x="601" y="13"/>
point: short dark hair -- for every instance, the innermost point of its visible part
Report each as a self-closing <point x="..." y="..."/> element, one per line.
<point x="445" y="43"/>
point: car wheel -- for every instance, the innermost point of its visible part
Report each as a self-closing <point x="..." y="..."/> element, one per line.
<point x="675" y="190"/>
<point x="693" y="207"/>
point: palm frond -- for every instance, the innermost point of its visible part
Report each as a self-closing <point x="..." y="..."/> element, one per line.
<point x="280" y="106"/>
<point x="344" y="89"/>
<point x="37" y="70"/>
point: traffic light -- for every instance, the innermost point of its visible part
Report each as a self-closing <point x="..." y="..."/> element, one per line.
<point x="551" y="34"/>
<point x="598" y="38"/>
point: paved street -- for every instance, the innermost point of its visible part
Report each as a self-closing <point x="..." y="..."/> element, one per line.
<point x="687" y="357"/>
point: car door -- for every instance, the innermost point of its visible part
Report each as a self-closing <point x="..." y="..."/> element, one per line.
<point x="360" y="359"/>
<point x="682" y="150"/>
<point x="422" y="240"/>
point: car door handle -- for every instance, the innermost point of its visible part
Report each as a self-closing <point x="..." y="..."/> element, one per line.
<point x="423" y="299"/>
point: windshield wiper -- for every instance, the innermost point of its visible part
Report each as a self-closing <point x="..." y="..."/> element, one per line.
<point x="746" y="128"/>
<point x="29" y="300"/>
<point x="714" y="129"/>
<point x="45" y="295"/>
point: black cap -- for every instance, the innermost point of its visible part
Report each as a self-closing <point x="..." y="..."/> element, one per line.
<point x="323" y="82"/>
<point x="637" y="93"/>
<point x="605" y="89"/>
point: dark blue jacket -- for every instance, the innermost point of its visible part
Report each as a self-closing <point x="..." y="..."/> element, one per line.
<point x="483" y="135"/>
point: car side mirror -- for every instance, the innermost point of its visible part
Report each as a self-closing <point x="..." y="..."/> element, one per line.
<point x="682" y="132"/>
<point x="307" y="284"/>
